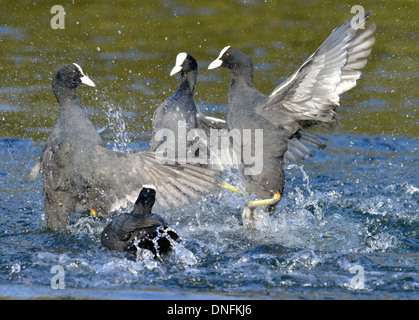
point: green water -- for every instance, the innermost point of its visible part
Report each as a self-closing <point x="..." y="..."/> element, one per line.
<point x="128" y="48"/>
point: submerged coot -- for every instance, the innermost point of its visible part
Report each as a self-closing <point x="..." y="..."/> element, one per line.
<point x="140" y="228"/>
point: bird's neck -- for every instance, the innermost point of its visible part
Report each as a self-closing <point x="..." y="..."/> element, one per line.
<point x="241" y="85"/>
<point x="140" y="208"/>
<point x="72" y="117"/>
<point x="188" y="82"/>
<point x="242" y="96"/>
<point x="242" y="77"/>
<point x="70" y="105"/>
<point x="65" y="94"/>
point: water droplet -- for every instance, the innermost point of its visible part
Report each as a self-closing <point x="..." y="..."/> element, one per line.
<point x="16" y="268"/>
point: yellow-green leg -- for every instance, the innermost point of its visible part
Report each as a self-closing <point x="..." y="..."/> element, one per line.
<point x="250" y="215"/>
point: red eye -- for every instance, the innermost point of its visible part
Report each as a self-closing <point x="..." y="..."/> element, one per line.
<point x="74" y="72"/>
<point x="186" y="60"/>
<point x="227" y="55"/>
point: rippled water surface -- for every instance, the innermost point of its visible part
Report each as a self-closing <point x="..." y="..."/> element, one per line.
<point x="347" y="226"/>
<point x="356" y="206"/>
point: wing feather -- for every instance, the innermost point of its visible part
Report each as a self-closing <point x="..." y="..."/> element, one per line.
<point x="120" y="176"/>
<point x="311" y="95"/>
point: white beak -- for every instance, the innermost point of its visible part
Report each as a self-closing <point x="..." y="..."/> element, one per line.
<point x="176" y="69"/>
<point x="215" y="64"/>
<point x="87" y="81"/>
<point x="218" y="62"/>
<point x="180" y="58"/>
<point x="84" y="79"/>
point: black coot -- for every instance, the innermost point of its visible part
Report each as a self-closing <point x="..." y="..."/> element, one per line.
<point x="140" y="228"/>
<point x="179" y="114"/>
<point x="308" y="98"/>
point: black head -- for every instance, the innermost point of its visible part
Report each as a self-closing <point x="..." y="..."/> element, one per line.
<point x="232" y="59"/>
<point x="71" y="76"/>
<point x="184" y="63"/>
<point x="145" y="200"/>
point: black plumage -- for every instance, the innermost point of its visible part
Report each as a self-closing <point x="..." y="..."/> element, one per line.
<point x="140" y="228"/>
<point x="79" y="172"/>
<point x="180" y="112"/>
<point x="308" y="98"/>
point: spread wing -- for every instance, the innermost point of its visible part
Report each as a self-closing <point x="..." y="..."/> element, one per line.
<point x="311" y="95"/>
<point x="119" y="178"/>
<point x="298" y="142"/>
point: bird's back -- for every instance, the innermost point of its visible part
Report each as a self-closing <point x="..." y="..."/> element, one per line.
<point x="130" y="231"/>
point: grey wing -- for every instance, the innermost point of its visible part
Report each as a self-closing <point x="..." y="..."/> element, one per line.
<point x="298" y="142"/>
<point x="31" y="177"/>
<point x="122" y="175"/>
<point x="311" y="95"/>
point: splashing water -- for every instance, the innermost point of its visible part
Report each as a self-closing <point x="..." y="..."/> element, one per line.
<point x="116" y="124"/>
<point x="325" y="224"/>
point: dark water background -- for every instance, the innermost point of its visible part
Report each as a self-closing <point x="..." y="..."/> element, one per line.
<point x="355" y="205"/>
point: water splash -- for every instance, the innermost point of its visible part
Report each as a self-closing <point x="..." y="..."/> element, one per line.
<point x="117" y="125"/>
<point x="183" y="256"/>
<point x="312" y="200"/>
<point x="324" y="225"/>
